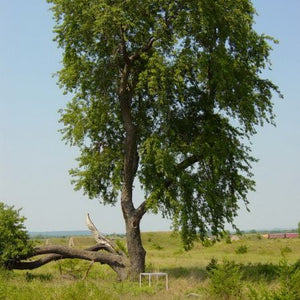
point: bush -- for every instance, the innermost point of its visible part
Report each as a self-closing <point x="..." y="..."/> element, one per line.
<point x="241" y="249"/>
<point x="288" y="288"/>
<point x="15" y="243"/>
<point x="285" y="250"/>
<point x="227" y="237"/>
<point x="208" y="243"/>
<point x="212" y="265"/>
<point x="225" y="280"/>
<point x="289" y="281"/>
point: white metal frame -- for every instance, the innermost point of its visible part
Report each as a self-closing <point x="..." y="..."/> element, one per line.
<point x="156" y="274"/>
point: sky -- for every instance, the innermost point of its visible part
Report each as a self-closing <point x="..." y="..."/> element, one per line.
<point x="34" y="162"/>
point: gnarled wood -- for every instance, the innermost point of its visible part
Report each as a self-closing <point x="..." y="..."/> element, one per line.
<point x="104" y="252"/>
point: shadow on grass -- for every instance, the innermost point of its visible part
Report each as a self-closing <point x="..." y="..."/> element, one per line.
<point x="267" y="272"/>
<point x="250" y="272"/>
<point x="186" y="272"/>
<point x="257" y="272"/>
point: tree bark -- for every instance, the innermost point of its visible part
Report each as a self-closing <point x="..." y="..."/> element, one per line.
<point x="105" y="252"/>
<point x="131" y="216"/>
<point x="117" y="262"/>
<point x="135" y="247"/>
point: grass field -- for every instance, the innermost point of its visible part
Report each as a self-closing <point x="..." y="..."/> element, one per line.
<point x="250" y="268"/>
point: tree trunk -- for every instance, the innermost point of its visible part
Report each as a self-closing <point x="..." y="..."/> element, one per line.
<point x="132" y="216"/>
<point x="136" y="250"/>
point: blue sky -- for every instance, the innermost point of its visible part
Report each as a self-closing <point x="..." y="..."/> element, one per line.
<point x="34" y="162"/>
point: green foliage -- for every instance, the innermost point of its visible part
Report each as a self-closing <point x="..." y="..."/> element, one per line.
<point x="42" y="277"/>
<point x="182" y="74"/>
<point x="208" y="242"/>
<point x="241" y="249"/>
<point x="289" y="282"/>
<point x="121" y="246"/>
<point x="74" y="268"/>
<point x="227" y="237"/>
<point x="289" y="285"/>
<point x="14" y="239"/>
<point x="262" y="276"/>
<point x="225" y="280"/>
<point x="212" y="265"/>
<point x="157" y="247"/>
<point x="285" y="250"/>
<point x="258" y="236"/>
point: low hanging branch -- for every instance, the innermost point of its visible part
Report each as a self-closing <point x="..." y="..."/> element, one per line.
<point x="104" y="252"/>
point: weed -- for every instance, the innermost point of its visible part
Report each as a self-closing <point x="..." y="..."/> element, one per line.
<point x="157" y="247"/>
<point x="241" y="249"/>
<point x="212" y="265"/>
<point x="208" y="243"/>
<point x="285" y="250"/>
<point x="258" y="236"/>
<point x="72" y="267"/>
<point x="42" y="277"/>
<point x="226" y="236"/>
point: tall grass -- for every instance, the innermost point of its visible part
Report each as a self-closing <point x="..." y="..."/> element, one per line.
<point x="267" y="270"/>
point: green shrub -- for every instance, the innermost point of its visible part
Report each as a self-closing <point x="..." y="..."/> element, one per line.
<point x="74" y="268"/>
<point x="241" y="249"/>
<point x="289" y="282"/>
<point x="228" y="240"/>
<point x="258" y="236"/>
<point x="227" y="237"/>
<point x="225" y="280"/>
<point x="157" y="246"/>
<point x="14" y="239"/>
<point x="289" y="285"/>
<point x="208" y="243"/>
<point x="212" y="265"/>
<point x="285" y="250"/>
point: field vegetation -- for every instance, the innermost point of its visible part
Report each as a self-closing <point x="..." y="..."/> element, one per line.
<point x="249" y="268"/>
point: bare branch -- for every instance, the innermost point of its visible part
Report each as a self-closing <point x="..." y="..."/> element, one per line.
<point x="123" y="47"/>
<point x="98" y="237"/>
<point x="188" y="162"/>
<point x="105" y="243"/>
<point x="144" y="49"/>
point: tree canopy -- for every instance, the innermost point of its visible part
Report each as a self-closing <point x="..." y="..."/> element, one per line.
<point x="15" y="243"/>
<point x="168" y="92"/>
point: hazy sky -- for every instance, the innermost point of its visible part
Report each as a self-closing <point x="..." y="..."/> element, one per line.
<point x="34" y="162"/>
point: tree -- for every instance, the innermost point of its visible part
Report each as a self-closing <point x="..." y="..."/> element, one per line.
<point x="15" y="243"/>
<point x="167" y="93"/>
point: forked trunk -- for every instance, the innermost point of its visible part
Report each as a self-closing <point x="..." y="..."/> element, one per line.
<point x="132" y="215"/>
